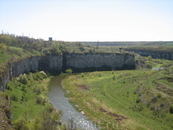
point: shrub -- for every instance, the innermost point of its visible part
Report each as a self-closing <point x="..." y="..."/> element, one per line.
<point x="37" y="123"/>
<point x="138" y="100"/>
<point x="20" y="124"/>
<point x="13" y="97"/>
<point x="40" y="100"/>
<point x="9" y="87"/>
<point x="171" y="109"/>
<point x="24" y="80"/>
<point x="148" y="65"/>
<point x="23" y="89"/>
<point x="38" y="76"/>
<point x="113" y="77"/>
<point x="36" y="90"/>
<point x="69" y="71"/>
<point x="159" y="95"/>
<point x="82" y="75"/>
<point x="50" y="108"/>
<point x="99" y="75"/>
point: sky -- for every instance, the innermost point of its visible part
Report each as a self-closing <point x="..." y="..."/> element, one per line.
<point x="89" y="20"/>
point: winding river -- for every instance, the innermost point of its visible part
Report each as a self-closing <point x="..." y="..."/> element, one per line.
<point x="70" y="117"/>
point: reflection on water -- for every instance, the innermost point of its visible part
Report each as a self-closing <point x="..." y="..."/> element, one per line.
<point x="76" y="120"/>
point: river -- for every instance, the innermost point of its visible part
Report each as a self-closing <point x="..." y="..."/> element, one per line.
<point x="70" y="117"/>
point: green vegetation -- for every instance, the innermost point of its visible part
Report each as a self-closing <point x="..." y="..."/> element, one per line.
<point x="149" y="62"/>
<point x="14" y="48"/>
<point x="160" y="49"/>
<point x="137" y="43"/>
<point x="29" y="102"/>
<point x="5" y="109"/>
<point x="132" y="100"/>
<point x="69" y="71"/>
<point x="140" y="99"/>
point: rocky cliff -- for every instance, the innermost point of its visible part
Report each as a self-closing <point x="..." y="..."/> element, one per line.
<point x="100" y="60"/>
<point x="14" y="69"/>
<point x="61" y="62"/>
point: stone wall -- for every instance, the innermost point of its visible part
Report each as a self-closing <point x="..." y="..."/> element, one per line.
<point x="61" y="62"/>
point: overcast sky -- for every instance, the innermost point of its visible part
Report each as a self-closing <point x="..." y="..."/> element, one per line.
<point x="89" y="20"/>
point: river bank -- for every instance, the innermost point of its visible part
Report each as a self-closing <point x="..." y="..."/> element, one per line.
<point x="70" y="118"/>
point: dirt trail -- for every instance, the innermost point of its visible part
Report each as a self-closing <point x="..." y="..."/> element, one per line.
<point x="117" y="117"/>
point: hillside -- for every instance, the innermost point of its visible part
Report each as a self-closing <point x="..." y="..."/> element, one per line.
<point x="133" y="100"/>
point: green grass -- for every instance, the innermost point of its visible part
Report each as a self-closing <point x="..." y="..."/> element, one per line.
<point x="132" y="94"/>
<point x="29" y="102"/>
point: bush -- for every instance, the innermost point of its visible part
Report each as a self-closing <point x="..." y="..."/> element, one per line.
<point x="99" y="75"/>
<point x="113" y="77"/>
<point x="38" y="76"/>
<point x="159" y="95"/>
<point x="69" y="71"/>
<point x="171" y="109"/>
<point x="13" y="97"/>
<point x="40" y="100"/>
<point x="9" y="87"/>
<point x="24" y="80"/>
<point x="20" y="124"/>
<point x="50" y="108"/>
<point x="148" y="65"/>
<point x="36" y="90"/>
<point x="138" y="100"/>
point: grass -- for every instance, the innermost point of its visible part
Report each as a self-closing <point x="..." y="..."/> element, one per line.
<point x="14" y="53"/>
<point x="29" y="102"/>
<point x="143" y="97"/>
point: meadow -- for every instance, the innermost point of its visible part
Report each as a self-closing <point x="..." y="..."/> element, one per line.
<point x="129" y="99"/>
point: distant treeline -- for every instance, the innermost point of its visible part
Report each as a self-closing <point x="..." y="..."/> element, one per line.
<point x="159" y="49"/>
<point x="121" y="43"/>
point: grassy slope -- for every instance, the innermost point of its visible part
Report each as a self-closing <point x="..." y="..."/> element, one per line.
<point x="15" y="53"/>
<point x="29" y="102"/>
<point x="132" y="94"/>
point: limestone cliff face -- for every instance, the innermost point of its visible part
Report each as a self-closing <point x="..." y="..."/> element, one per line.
<point x="65" y="61"/>
<point x="154" y="54"/>
<point x="98" y="60"/>
<point x="14" y="69"/>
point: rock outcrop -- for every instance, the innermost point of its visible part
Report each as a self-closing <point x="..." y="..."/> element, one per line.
<point x="99" y="60"/>
<point x="14" y="69"/>
<point x="106" y="61"/>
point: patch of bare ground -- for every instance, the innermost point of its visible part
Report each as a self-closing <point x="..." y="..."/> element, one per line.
<point x="83" y="86"/>
<point x="164" y="88"/>
<point x="169" y="79"/>
<point x="116" y="116"/>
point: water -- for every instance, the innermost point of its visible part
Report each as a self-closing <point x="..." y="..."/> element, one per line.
<point x="70" y="117"/>
<point x="158" y="68"/>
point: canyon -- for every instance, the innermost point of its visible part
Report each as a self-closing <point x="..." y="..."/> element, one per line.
<point x="76" y="61"/>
